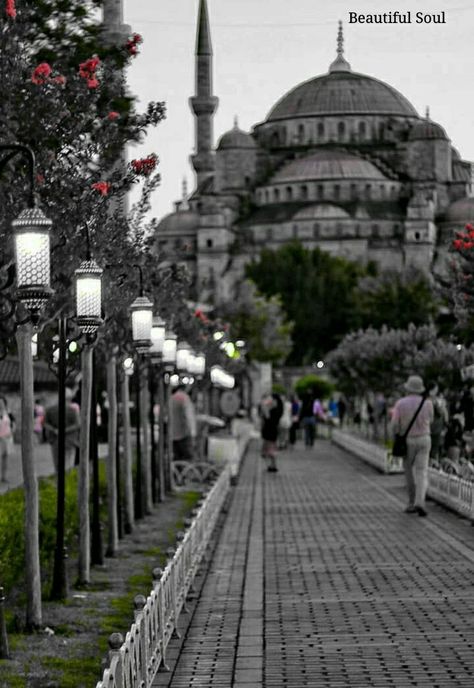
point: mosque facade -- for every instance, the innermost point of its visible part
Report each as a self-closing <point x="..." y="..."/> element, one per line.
<point x="342" y="162"/>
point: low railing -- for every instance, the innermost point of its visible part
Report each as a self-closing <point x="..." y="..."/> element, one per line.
<point x="451" y="484"/>
<point x="376" y="455"/>
<point x="134" y="662"/>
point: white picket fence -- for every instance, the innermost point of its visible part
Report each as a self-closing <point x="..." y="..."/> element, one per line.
<point x="374" y="454"/>
<point x="134" y="662"/>
<point x="450" y="483"/>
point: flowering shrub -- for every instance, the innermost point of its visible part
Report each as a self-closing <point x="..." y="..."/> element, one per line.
<point x="144" y="166"/>
<point x="112" y="116"/>
<point x="464" y="240"/>
<point x="41" y="74"/>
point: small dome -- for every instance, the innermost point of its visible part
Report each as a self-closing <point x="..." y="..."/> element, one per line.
<point x="321" y="211"/>
<point x="180" y="222"/>
<point x="328" y="164"/>
<point x="236" y="138"/>
<point x="427" y="130"/>
<point x="461" y="211"/>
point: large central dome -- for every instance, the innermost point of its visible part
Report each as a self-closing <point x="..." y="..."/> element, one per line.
<point x="342" y="93"/>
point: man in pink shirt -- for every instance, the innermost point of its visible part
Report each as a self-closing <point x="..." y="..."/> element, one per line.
<point x="418" y="441"/>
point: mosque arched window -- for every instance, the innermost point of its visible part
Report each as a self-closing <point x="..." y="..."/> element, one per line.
<point x="304" y="192"/>
<point x="295" y="231"/>
<point x="320" y="191"/>
<point x="269" y="234"/>
<point x="289" y="193"/>
<point x="301" y="133"/>
<point x="368" y="191"/>
<point x="337" y="192"/>
<point x="276" y="195"/>
<point x="320" y="130"/>
<point x="353" y="192"/>
<point x="316" y="229"/>
<point x="382" y="191"/>
<point x="341" y="129"/>
<point x="267" y="196"/>
<point x="362" y="130"/>
<point x="375" y="230"/>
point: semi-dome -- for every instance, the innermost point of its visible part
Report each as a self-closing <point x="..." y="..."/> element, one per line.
<point x="461" y="211"/>
<point x="328" y="164"/>
<point x="427" y="130"/>
<point x="236" y="138"/>
<point x="179" y="222"/>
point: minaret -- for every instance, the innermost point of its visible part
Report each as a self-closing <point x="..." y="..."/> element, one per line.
<point x="116" y="32"/>
<point x="204" y="103"/>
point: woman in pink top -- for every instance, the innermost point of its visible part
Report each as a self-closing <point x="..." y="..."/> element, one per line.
<point x="418" y="441"/>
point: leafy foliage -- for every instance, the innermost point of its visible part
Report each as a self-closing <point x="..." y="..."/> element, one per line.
<point x="260" y="322"/>
<point x="381" y="360"/>
<point x="314" y="385"/>
<point x="317" y="292"/>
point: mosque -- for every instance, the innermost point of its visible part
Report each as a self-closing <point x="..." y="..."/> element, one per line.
<point x="342" y="162"/>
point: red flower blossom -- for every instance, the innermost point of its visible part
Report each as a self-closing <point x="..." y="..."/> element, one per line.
<point x="102" y="187"/>
<point x="87" y="70"/>
<point x="144" y="166"/>
<point x="458" y="244"/>
<point x="132" y="44"/>
<point x="41" y="74"/>
<point x="10" y="9"/>
<point x="61" y="80"/>
<point x="469" y="227"/>
<point x="468" y="244"/>
<point x="113" y="115"/>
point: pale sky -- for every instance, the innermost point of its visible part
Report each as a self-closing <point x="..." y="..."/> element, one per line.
<point x="264" y="48"/>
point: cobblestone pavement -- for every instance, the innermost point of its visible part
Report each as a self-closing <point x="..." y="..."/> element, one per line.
<point x="319" y="579"/>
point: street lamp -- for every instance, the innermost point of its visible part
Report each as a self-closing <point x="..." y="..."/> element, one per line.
<point x="142" y="321"/>
<point x="89" y="297"/>
<point x="32" y="254"/>
<point x="169" y="350"/>
<point x="169" y="361"/>
<point x="158" y="333"/>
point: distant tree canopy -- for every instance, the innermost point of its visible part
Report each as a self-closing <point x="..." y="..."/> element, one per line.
<point x="326" y="297"/>
<point x="315" y="385"/>
<point x="317" y="292"/>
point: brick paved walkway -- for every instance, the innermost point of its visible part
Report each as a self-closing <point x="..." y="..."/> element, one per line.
<point x="319" y="579"/>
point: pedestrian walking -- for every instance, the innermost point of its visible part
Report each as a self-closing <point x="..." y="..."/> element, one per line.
<point x="285" y="424"/>
<point x="183" y="424"/>
<point x="295" y="420"/>
<point x="271" y="410"/>
<point x="72" y="423"/>
<point x="38" y="412"/>
<point x="307" y="419"/>
<point x="412" y="416"/>
<point x="7" y="428"/>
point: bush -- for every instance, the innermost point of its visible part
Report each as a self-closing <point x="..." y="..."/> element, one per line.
<point x="318" y="386"/>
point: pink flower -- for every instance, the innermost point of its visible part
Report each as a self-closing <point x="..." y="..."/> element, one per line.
<point x="10" y="9"/>
<point x="87" y="70"/>
<point x="458" y="244"/>
<point x="92" y="83"/>
<point x="61" y="80"/>
<point x="113" y="115"/>
<point x="102" y="187"/>
<point x="41" y="74"/>
<point x="132" y="44"/>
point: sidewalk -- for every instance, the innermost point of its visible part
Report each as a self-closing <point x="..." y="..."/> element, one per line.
<point x="319" y="579"/>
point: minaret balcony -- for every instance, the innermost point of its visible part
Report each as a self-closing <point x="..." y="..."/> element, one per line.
<point x="204" y="105"/>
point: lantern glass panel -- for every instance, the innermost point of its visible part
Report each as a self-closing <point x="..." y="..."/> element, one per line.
<point x="141" y="324"/>
<point x="32" y="259"/>
<point x="199" y="364"/>
<point x="182" y="356"/>
<point x="157" y="338"/>
<point x="169" y="350"/>
<point x="89" y="296"/>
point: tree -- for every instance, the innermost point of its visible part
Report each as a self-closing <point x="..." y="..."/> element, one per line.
<point x="395" y="299"/>
<point x="315" y="385"/>
<point x="317" y="292"/>
<point x="260" y="322"/>
<point x="381" y="360"/>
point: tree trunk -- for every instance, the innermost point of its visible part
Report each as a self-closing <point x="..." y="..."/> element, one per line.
<point x="169" y="441"/>
<point x="32" y="560"/>
<point x="161" y="437"/>
<point x="84" y="560"/>
<point x="111" y="458"/>
<point x="146" y="461"/>
<point x="127" y="454"/>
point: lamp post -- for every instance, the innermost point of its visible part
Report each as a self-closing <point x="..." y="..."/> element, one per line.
<point x="158" y="333"/>
<point x="31" y="235"/>
<point x="142" y="320"/>
<point x="169" y="362"/>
